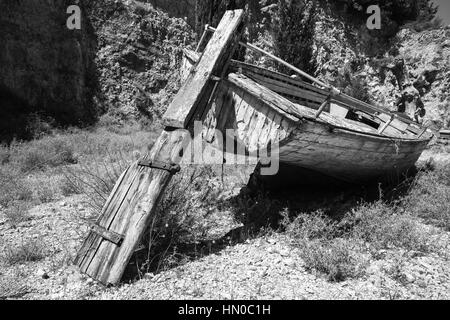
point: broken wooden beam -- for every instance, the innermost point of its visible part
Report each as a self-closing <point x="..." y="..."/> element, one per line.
<point x="218" y="51"/>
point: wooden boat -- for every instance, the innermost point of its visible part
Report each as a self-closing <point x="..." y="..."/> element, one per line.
<point x="315" y="126"/>
<point x="317" y="129"/>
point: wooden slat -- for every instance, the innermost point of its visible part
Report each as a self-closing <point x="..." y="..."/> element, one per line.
<point x="248" y="68"/>
<point x="287" y="89"/>
<point x="197" y="85"/>
<point x="127" y="213"/>
<point x="275" y="101"/>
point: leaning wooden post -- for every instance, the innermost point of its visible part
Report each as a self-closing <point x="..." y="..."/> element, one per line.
<point x="109" y="246"/>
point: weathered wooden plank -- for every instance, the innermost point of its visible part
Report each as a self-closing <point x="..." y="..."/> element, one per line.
<point x="218" y="51"/>
<point x="275" y="101"/>
<point x="128" y="212"/>
<point x="245" y="67"/>
<point x="287" y="89"/>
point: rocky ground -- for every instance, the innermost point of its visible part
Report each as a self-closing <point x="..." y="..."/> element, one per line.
<point x="261" y="267"/>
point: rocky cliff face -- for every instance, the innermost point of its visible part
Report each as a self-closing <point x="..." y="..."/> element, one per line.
<point x="46" y="66"/>
<point x="427" y="67"/>
<point x="416" y="63"/>
<point x="139" y="54"/>
<point x="124" y="59"/>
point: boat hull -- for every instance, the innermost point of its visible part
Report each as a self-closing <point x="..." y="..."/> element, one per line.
<point x="330" y="149"/>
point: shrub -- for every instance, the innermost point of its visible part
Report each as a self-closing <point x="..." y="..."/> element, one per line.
<point x="310" y="227"/>
<point x="46" y="152"/>
<point x="337" y="258"/>
<point x="68" y="188"/>
<point x="294" y="34"/>
<point x="429" y="197"/>
<point x="96" y="178"/>
<point x="17" y="212"/>
<point x="12" y="188"/>
<point x="181" y="218"/>
<point x="351" y="85"/>
<point x="317" y="238"/>
<point x="45" y="193"/>
<point x="27" y="251"/>
<point x="381" y="226"/>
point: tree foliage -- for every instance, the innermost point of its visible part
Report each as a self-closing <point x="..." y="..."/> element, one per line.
<point x="294" y="30"/>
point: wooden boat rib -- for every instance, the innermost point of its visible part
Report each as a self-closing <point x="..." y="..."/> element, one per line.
<point x="331" y="134"/>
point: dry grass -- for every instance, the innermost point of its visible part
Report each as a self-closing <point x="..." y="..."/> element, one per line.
<point x="429" y="197"/>
<point x="28" y="251"/>
<point x="339" y="248"/>
<point x="17" y="212"/>
<point x="181" y="218"/>
<point x="384" y="226"/>
<point x="50" y="151"/>
<point x="321" y="247"/>
<point x="12" y="188"/>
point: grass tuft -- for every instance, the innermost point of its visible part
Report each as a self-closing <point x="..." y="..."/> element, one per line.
<point x="29" y="251"/>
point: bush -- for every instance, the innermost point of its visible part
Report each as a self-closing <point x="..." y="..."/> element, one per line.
<point x="429" y="197"/>
<point x="46" y="152"/>
<point x="181" y="218"/>
<point x="351" y="85"/>
<point x="386" y="227"/>
<point x="95" y="179"/>
<point x="17" y="212"/>
<point x="45" y="193"/>
<point x="321" y="248"/>
<point x="28" y="251"/>
<point x="12" y="188"/>
<point x="294" y="32"/>
<point x="337" y="259"/>
<point x="311" y="227"/>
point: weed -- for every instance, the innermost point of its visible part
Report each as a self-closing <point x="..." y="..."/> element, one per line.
<point x="27" y="251"/>
<point x="17" y="212"/>
<point x="383" y="226"/>
<point x="337" y="258"/>
<point x="12" y="188"/>
<point x="429" y="198"/>
<point x="51" y="151"/>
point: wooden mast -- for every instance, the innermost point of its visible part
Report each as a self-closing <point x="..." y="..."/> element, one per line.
<point x="111" y="242"/>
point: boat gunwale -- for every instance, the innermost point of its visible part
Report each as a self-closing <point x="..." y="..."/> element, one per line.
<point x="319" y="120"/>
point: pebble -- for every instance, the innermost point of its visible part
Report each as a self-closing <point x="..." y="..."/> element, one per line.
<point x="409" y="277"/>
<point x="42" y="274"/>
<point x="290" y="263"/>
